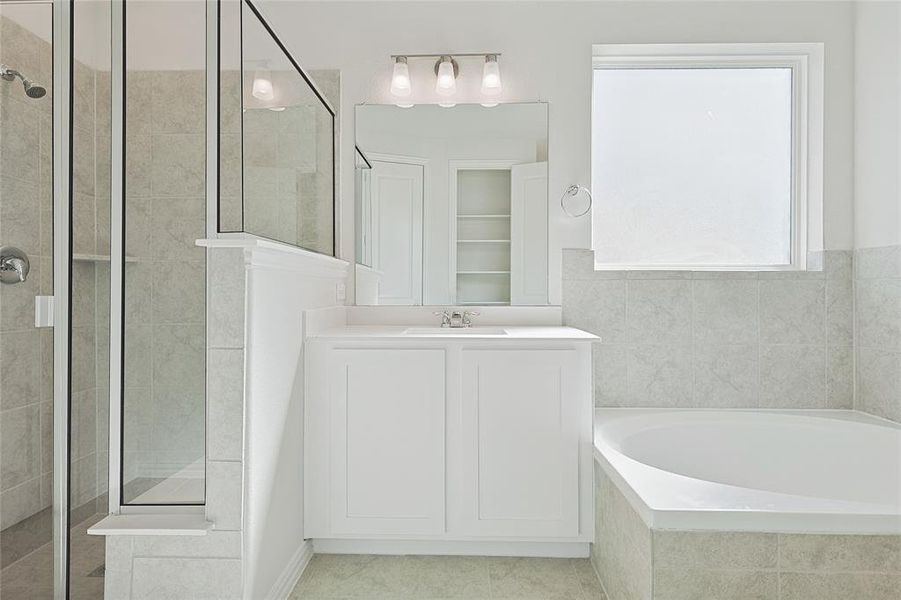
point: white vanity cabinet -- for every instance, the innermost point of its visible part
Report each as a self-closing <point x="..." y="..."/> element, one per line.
<point x="449" y="439"/>
<point x="386" y="440"/>
<point x="520" y="442"/>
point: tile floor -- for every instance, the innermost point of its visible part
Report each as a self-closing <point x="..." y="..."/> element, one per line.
<point x="358" y="577"/>
<point x="31" y="577"/>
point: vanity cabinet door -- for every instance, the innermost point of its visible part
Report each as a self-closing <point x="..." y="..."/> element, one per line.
<point x="387" y="441"/>
<point x="520" y="446"/>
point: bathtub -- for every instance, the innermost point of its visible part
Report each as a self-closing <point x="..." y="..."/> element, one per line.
<point x="754" y="471"/>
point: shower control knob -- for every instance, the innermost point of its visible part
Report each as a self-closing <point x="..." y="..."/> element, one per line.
<point x="14" y="265"/>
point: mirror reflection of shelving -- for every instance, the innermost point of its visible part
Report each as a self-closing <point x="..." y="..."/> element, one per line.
<point x="483" y="236"/>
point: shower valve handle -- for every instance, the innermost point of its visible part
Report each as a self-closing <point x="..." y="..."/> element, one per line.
<point x="14" y="265"/>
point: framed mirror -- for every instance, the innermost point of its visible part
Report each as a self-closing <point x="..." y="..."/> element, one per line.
<point x="452" y="205"/>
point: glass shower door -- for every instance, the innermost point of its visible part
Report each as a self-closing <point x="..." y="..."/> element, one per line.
<point x="26" y="271"/>
<point x="89" y="302"/>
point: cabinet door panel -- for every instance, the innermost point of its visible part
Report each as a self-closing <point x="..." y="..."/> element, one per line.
<point x="387" y="441"/>
<point x="520" y="443"/>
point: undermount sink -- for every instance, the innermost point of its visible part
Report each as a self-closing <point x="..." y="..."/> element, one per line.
<point x="455" y="331"/>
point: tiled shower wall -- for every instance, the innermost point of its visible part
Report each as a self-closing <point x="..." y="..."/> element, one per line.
<point x="716" y="339"/>
<point x="878" y="307"/>
<point x="26" y="353"/>
<point x="165" y="279"/>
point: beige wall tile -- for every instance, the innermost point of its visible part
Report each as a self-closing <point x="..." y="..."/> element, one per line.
<point x="840" y="586"/>
<point x="839" y="312"/>
<point x="177" y="223"/>
<point x="878" y="263"/>
<point x="840" y="377"/>
<point x="20" y="368"/>
<point x="179" y="292"/>
<point x="597" y="306"/>
<point x="792" y="376"/>
<point x="224" y="494"/>
<point x="215" y="544"/>
<point x="700" y="584"/>
<point x="178" y="165"/>
<point x="226" y="298"/>
<point x="658" y="311"/>
<point x="792" y="312"/>
<point x="725" y="312"/>
<point x="725" y="375"/>
<point x="660" y="375"/>
<point x="879" y="313"/>
<point x="611" y="379"/>
<point x="621" y="552"/>
<point x="715" y="550"/>
<point x="179" y="578"/>
<point x="879" y="382"/>
<point x="840" y="552"/>
<point x="225" y="405"/>
<point x="178" y="102"/>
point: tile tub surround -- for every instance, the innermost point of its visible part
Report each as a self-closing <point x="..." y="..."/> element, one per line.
<point x="636" y="562"/>
<point x="716" y="339"/>
<point x="351" y="576"/>
<point x="877" y="280"/>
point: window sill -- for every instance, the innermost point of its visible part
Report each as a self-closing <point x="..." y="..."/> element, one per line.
<point x="152" y="524"/>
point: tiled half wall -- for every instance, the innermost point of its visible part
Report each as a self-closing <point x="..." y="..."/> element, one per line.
<point x="635" y="562"/>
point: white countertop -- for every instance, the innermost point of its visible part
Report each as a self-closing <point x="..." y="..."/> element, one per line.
<point x="519" y="333"/>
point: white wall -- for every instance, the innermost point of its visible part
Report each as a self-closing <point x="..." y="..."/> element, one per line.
<point x="877" y="125"/>
<point x="279" y="289"/>
<point x="546" y="50"/>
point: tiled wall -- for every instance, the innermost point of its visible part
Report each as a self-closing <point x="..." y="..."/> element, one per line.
<point x="878" y="312"/>
<point x="716" y="339"/>
<point x="635" y="562"/>
<point x="165" y="273"/>
<point x="26" y="353"/>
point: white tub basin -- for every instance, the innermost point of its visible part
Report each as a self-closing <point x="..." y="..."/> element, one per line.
<point x="455" y="331"/>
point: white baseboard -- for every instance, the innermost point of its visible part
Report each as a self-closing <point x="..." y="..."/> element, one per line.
<point x="291" y="575"/>
<point x="452" y="548"/>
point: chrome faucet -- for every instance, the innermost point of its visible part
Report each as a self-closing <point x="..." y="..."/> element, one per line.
<point x="445" y="317"/>
<point x="456" y="319"/>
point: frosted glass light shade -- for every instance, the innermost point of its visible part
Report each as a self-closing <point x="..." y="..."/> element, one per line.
<point x="491" y="77"/>
<point x="446" y="85"/>
<point x="401" y="86"/>
<point x="262" y="85"/>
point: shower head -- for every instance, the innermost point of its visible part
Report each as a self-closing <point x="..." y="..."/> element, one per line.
<point x="32" y="90"/>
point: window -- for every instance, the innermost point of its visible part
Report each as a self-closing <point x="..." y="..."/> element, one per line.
<point x="704" y="156"/>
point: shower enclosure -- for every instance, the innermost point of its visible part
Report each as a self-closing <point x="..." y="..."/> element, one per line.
<point x="102" y="300"/>
<point x="123" y="124"/>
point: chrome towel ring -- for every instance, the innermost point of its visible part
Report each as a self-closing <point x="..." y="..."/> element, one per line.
<point x="571" y="192"/>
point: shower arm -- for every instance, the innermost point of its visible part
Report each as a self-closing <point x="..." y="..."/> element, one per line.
<point x="9" y="74"/>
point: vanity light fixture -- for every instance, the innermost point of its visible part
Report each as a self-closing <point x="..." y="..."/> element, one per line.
<point x="491" y="81"/>
<point x="447" y="70"/>
<point x="401" y="86"/>
<point x="262" y="85"/>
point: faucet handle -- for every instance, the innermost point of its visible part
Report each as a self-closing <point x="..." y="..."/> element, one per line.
<point x="467" y="317"/>
<point x="445" y="317"/>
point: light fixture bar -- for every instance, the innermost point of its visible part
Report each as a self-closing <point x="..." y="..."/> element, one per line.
<point x="453" y="54"/>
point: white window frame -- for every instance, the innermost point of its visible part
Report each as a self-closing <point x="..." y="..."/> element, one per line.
<point x="807" y="65"/>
